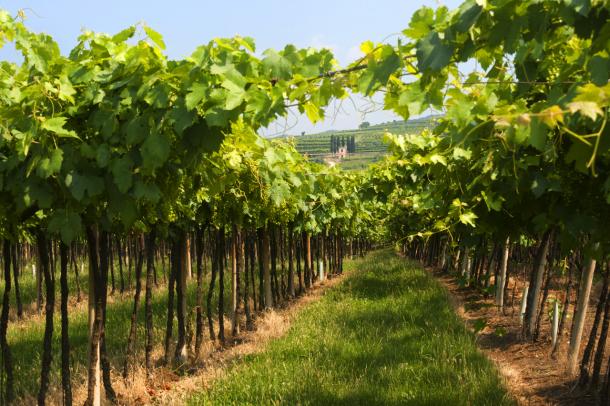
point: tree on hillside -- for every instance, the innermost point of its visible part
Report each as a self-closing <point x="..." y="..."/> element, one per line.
<point x="364" y="124"/>
<point x="351" y="144"/>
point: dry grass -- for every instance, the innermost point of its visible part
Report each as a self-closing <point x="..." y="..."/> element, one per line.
<point x="168" y="386"/>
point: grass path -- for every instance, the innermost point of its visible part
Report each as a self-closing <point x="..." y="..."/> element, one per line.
<point x="386" y="335"/>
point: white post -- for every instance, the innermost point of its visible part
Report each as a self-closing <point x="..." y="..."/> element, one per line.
<point x="501" y="282"/>
<point x="524" y="302"/>
<point x="464" y="264"/>
<point x="321" y="268"/>
<point x="33" y="270"/>
<point x="456" y="261"/>
<point x="580" y="315"/>
<point x="555" y="322"/>
<point x="468" y="260"/>
<point x="443" y="257"/>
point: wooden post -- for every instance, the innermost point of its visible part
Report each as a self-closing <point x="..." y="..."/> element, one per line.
<point x="266" y="253"/>
<point x="235" y="251"/>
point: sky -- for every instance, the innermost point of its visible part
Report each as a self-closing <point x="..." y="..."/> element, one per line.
<point x="341" y="25"/>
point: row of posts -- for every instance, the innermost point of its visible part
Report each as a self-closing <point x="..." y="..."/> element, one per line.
<point x="555" y="320"/>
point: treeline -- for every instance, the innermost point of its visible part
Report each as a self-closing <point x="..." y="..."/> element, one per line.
<point x="349" y="143"/>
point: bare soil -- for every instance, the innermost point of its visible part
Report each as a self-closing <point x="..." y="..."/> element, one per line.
<point x="532" y="375"/>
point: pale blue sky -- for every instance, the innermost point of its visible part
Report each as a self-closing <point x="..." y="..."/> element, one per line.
<point x="338" y="24"/>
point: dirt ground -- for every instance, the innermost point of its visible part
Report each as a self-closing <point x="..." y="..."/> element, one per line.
<point x="531" y="374"/>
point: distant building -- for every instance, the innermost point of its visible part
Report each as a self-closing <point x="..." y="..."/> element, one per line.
<point x="341" y="152"/>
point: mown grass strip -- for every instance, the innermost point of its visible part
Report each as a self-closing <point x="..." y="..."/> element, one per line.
<point x="386" y="335"/>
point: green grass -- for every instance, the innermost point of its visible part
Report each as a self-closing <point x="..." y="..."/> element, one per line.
<point x="25" y="337"/>
<point x="386" y="335"/>
<point x="359" y="160"/>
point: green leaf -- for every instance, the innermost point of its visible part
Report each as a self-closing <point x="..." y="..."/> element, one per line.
<point x="56" y="126"/>
<point x="437" y="159"/>
<point x="461" y="153"/>
<point x="492" y="202"/>
<point x="196" y="93"/>
<point x="231" y="78"/>
<point x="257" y="101"/>
<point x="147" y="191"/>
<point x="158" y="96"/>
<point x="155" y="151"/>
<point x="413" y="98"/>
<point x="469" y="13"/>
<point x="182" y="119"/>
<point x="136" y="130"/>
<point x="66" y="223"/>
<point x="599" y="67"/>
<point x="580" y="6"/>
<point x="420" y="24"/>
<point x="102" y="155"/>
<point x="122" y="174"/>
<point x="468" y="218"/>
<point x="539" y="185"/>
<point x="592" y="93"/>
<point x="51" y="165"/>
<point x="217" y="117"/>
<point x="580" y="154"/>
<point x="378" y="72"/>
<point x="519" y="134"/>
<point x="432" y="53"/>
<point x="279" y="191"/>
<point x="278" y="66"/>
<point x="66" y="90"/>
<point x="459" y="107"/>
<point x="76" y="187"/>
<point x="246" y="42"/>
<point x="203" y="137"/>
<point x="94" y="185"/>
<point x="155" y="37"/>
<point x="124" y="35"/>
<point x="81" y="184"/>
<point x="42" y="193"/>
<point x="538" y="135"/>
<point x="127" y="212"/>
<point x="57" y="157"/>
<point x="234" y="99"/>
<point x="313" y="112"/>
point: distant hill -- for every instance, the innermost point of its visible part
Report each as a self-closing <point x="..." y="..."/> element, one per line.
<point x="369" y="141"/>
